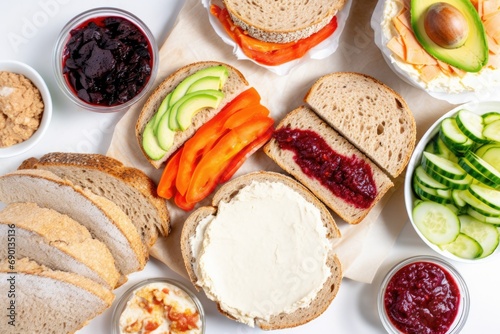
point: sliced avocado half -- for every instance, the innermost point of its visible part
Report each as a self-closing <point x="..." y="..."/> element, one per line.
<point x="472" y="54"/>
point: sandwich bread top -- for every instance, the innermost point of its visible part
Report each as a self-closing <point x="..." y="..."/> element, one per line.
<point x="369" y="114"/>
<point x="282" y="21"/>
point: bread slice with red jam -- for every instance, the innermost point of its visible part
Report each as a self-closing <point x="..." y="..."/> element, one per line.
<point x="330" y="166"/>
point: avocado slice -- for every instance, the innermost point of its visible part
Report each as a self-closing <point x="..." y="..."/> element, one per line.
<point x="164" y="134"/>
<point x="216" y="71"/>
<point x="209" y="82"/>
<point x="161" y="111"/>
<point x="472" y="55"/>
<point x="150" y="142"/>
<point x="194" y="102"/>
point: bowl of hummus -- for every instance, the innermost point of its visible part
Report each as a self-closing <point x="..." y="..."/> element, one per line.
<point x="25" y="108"/>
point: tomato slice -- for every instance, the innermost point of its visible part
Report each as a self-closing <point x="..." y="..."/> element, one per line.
<point x="207" y="173"/>
<point x="166" y="187"/>
<point x="268" y="53"/>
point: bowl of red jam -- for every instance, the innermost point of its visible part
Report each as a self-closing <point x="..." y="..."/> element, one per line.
<point x="105" y="59"/>
<point x="158" y="305"/>
<point x="423" y="294"/>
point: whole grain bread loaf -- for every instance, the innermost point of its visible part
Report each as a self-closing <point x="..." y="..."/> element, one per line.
<point x="49" y="301"/>
<point x="234" y="85"/>
<point x="282" y="21"/>
<point x="369" y="114"/>
<point x="104" y="219"/>
<point x="129" y="188"/>
<point x="57" y="242"/>
<point x="330" y="288"/>
<point x="304" y="118"/>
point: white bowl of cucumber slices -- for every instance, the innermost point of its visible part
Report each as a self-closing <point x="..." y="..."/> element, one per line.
<point x="452" y="185"/>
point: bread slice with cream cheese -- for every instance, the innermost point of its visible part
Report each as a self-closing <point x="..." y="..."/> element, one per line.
<point x="227" y="193"/>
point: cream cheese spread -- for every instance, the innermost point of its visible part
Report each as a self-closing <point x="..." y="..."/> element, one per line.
<point x="263" y="253"/>
<point x="483" y="82"/>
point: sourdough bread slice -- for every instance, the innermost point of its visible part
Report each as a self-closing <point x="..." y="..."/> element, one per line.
<point x="304" y="118"/>
<point x="58" y="242"/>
<point x="235" y="84"/>
<point x="369" y="114"/>
<point x="104" y="219"/>
<point x="330" y="287"/>
<point x="129" y="188"/>
<point x="282" y="21"/>
<point x="49" y="301"/>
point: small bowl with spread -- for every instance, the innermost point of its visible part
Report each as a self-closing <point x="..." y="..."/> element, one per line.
<point x="452" y="184"/>
<point x="105" y="59"/>
<point x="423" y="294"/>
<point x="25" y="108"/>
<point x="158" y="305"/>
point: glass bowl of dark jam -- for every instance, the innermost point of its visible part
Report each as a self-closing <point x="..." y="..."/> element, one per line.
<point x="105" y="59"/>
<point x="423" y="294"/>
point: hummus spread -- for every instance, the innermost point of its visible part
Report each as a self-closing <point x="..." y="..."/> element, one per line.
<point x="264" y="253"/>
<point x="21" y="108"/>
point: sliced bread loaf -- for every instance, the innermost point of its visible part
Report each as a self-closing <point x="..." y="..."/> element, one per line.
<point x="234" y="85"/>
<point x="304" y="118"/>
<point x="129" y="188"/>
<point x="282" y="21"/>
<point x="369" y="114"/>
<point x="104" y="219"/>
<point x="194" y="226"/>
<point x="58" y="242"/>
<point x="48" y="301"/>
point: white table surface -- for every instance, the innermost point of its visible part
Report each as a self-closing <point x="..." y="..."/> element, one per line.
<point x="28" y="31"/>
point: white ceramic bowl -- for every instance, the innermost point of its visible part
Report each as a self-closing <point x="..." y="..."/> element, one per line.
<point x="30" y="73"/>
<point x="478" y="108"/>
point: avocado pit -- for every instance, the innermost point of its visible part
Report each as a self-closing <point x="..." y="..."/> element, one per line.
<point x="446" y="26"/>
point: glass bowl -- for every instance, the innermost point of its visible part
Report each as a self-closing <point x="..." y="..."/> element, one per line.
<point x="464" y="298"/>
<point x="61" y="53"/>
<point x="476" y="107"/>
<point x="181" y="295"/>
<point x="37" y="80"/>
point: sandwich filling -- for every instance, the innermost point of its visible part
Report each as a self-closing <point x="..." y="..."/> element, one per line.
<point x="264" y="253"/>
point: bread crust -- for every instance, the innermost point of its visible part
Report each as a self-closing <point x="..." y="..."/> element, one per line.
<point x="225" y="193"/>
<point x="274" y="27"/>
<point x="235" y="84"/>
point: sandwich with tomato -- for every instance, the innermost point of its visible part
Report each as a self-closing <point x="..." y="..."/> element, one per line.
<point x="201" y="123"/>
<point x="276" y="32"/>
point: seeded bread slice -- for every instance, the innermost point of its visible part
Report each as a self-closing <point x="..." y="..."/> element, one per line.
<point x="235" y="84"/>
<point x="330" y="288"/>
<point x="48" y="301"/>
<point x="104" y="219"/>
<point x="305" y="119"/>
<point x="58" y="242"/>
<point x="282" y="21"/>
<point x="129" y="188"/>
<point x="369" y="114"/>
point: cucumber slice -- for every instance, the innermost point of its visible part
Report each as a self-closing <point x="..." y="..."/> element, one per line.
<point x="442" y="166"/>
<point x="492" y="156"/>
<point x="492" y="131"/>
<point x="426" y="193"/>
<point x="482" y="150"/>
<point x="476" y="174"/>
<point x="482" y="218"/>
<point x="478" y="205"/>
<point x="484" y="167"/>
<point x="436" y="222"/>
<point x="454" y="138"/>
<point x="445" y="151"/>
<point x="431" y="146"/>
<point x="485" y="234"/>
<point x="488" y="196"/>
<point x="471" y="125"/>
<point x="490" y="117"/>
<point x="450" y="183"/>
<point x="464" y="247"/>
<point x="457" y="199"/>
<point x="426" y="180"/>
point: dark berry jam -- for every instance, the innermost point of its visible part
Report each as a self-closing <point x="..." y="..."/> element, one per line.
<point x="349" y="178"/>
<point x="422" y="298"/>
<point x="107" y="61"/>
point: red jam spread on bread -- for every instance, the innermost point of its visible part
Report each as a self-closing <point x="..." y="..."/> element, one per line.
<point x="349" y="178"/>
<point x="422" y="297"/>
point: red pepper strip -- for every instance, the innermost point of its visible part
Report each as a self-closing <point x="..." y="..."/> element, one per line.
<point x="166" y="187"/>
<point x="242" y="156"/>
<point x="181" y="202"/>
<point x="208" y="134"/>
<point x="271" y="53"/>
<point x="207" y="173"/>
<point x="246" y="115"/>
